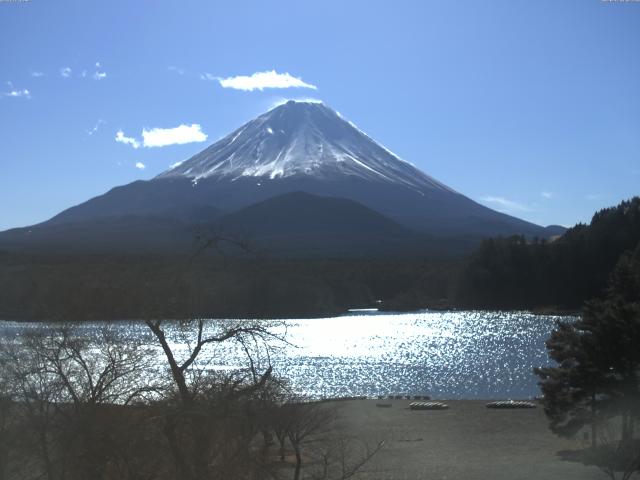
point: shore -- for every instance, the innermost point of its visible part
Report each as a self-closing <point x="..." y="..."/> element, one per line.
<point x="468" y="441"/>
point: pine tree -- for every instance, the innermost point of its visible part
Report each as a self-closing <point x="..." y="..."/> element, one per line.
<point x="573" y="390"/>
<point x="597" y="375"/>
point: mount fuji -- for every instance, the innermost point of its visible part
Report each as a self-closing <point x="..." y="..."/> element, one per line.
<point x="303" y="140"/>
<point x="300" y="157"/>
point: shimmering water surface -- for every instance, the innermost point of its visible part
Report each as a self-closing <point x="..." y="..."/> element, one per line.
<point x="444" y="354"/>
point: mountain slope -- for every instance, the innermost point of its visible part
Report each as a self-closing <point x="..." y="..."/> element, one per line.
<point x="301" y="139"/>
<point x="299" y="223"/>
<point x="125" y="234"/>
<point x="299" y="211"/>
<point x="296" y="147"/>
<point x="293" y="224"/>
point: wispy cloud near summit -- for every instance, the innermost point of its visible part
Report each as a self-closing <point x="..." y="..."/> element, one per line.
<point x="122" y="138"/>
<point x="260" y="81"/>
<point x="505" y="205"/>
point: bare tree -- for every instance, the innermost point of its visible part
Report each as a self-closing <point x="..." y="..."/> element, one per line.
<point x="304" y="424"/>
<point x="321" y="451"/>
<point x="210" y="426"/>
<point x="5" y="432"/>
<point x="343" y="457"/>
<point x="616" y="456"/>
<point x="247" y="334"/>
<point x="65" y="387"/>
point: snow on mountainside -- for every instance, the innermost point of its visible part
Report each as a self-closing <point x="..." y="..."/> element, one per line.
<point x="296" y="147"/>
<point x="301" y="139"/>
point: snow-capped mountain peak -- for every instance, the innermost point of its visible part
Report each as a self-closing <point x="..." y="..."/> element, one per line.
<point x="301" y="139"/>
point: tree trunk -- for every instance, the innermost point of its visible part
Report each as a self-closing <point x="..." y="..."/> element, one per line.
<point x="3" y="457"/>
<point x="296" y="475"/>
<point x="627" y="428"/>
<point x="182" y="469"/>
<point x="176" y="372"/>
<point x="44" y="449"/>
<point x="594" y="429"/>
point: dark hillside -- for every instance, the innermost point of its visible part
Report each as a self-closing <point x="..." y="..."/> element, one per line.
<point x="516" y="273"/>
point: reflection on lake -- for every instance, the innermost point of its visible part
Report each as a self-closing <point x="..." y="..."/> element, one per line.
<point x="444" y="354"/>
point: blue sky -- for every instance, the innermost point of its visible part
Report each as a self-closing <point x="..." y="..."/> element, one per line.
<point x="532" y="108"/>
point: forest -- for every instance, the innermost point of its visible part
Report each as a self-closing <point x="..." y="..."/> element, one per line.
<point x="502" y="273"/>
<point x="517" y="273"/>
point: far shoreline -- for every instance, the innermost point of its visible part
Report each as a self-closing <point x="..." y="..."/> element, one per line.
<point x="354" y="312"/>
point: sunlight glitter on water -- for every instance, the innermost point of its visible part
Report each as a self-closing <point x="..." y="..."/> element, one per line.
<point x="472" y="354"/>
<point x="444" y="354"/>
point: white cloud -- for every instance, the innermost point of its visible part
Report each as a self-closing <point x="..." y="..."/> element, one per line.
<point x="547" y="195"/>
<point x="208" y="76"/>
<point x="19" y="93"/>
<point x="506" y="205"/>
<point x="140" y="166"/>
<point x="66" y="72"/>
<point x="261" y="80"/>
<point x="96" y="127"/>
<point x="178" y="70"/>
<point x="16" y="92"/>
<point x="37" y="74"/>
<point x="120" y="138"/>
<point x="99" y="74"/>
<point x="161" y="137"/>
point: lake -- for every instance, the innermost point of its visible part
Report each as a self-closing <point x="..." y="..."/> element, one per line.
<point x="451" y="354"/>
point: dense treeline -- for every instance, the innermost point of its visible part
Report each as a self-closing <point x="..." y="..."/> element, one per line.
<point x="503" y="273"/>
<point x="516" y="273"/>
<point x="101" y="287"/>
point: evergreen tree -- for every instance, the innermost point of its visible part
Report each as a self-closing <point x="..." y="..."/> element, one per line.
<point x="521" y="273"/>
<point x="597" y="375"/>
<point x="573" y="389"/>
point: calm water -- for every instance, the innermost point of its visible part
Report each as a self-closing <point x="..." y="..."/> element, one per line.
<point x="443" y="354"/>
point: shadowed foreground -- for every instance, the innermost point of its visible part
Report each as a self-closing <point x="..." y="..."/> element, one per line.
<point x="467" y="441"/>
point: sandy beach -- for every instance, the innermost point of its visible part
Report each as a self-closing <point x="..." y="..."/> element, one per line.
<point x="467" y="441"/>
